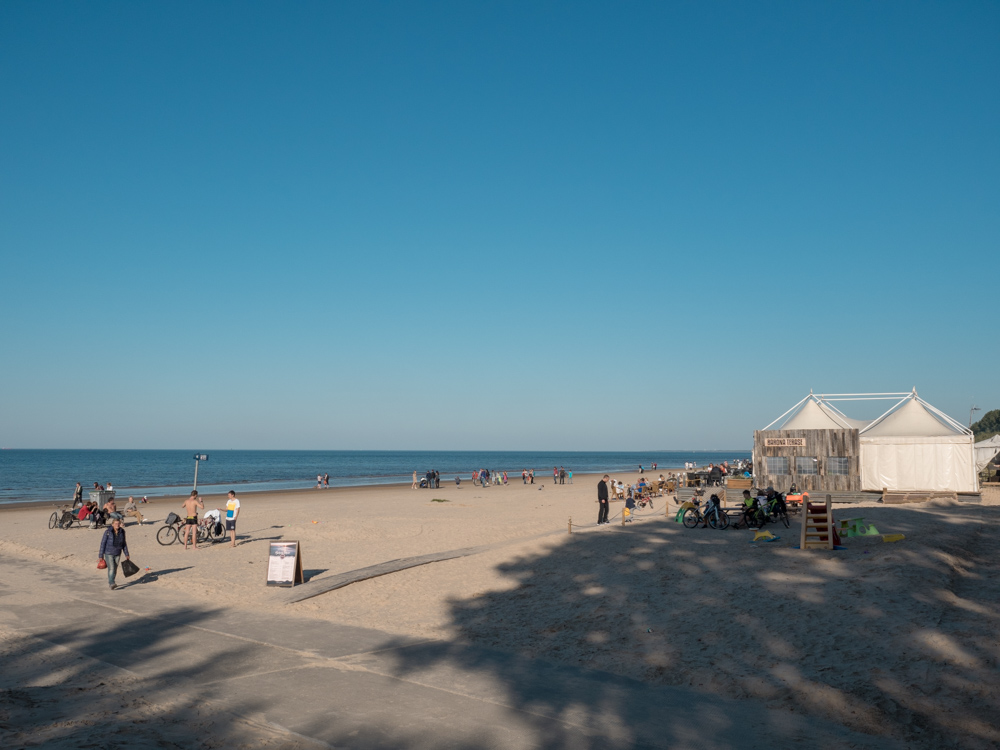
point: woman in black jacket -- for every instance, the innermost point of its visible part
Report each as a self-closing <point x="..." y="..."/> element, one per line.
<point x="113" y="545"/>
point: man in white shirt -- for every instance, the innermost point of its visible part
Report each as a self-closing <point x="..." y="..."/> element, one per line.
<point x="232" y="513"/>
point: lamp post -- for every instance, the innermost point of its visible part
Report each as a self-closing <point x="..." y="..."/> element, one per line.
<point x="197" y="458"/>
<point x="972" y="411"/>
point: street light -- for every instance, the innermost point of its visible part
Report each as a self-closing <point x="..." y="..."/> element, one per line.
<point x="198" y="457"/>
<point x="971" y="412"/>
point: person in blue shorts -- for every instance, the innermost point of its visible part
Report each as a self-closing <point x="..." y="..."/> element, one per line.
<point x="232" y="513"/>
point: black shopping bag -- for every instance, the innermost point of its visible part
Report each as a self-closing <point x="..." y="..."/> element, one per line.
<point x="129" y="568"/>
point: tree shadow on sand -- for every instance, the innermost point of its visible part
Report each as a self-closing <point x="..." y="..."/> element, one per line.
<point x="73" y="685"/>
<point x="889" y="640"/>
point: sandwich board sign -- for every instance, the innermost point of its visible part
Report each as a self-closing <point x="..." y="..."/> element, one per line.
<point x="284" y="564"/>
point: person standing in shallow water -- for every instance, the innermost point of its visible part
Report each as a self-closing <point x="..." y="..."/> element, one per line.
<point x="113" y="545"/>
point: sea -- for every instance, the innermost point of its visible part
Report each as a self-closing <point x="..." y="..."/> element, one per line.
<point x="51" y="475"/>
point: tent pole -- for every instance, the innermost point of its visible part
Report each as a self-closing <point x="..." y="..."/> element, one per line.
<point x="789" y="411"/>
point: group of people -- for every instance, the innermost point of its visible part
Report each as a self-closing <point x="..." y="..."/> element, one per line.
<point x="97" y="516"/>
<point x="430" y="480"/>
<point x="639" y="495"/>
<point x="322" y="481"/>
<point x="194" y="503"/>
<point x="485" y="477"/>
<point x="113" y="542"/>
<point x="559" y="475"/>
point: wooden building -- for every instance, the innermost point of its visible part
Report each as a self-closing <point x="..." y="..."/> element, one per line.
<point x="823" y="460"/>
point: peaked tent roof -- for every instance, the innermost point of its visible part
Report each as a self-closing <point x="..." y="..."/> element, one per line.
<point x="912" y="419"/>
<point x="813" y="416"/>
<point x="910" y="416"/>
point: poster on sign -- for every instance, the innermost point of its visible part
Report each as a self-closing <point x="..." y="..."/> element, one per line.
<point x="284" y="564"/>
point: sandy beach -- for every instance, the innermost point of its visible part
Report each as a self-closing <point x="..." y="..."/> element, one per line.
<point x="891" y="641"/>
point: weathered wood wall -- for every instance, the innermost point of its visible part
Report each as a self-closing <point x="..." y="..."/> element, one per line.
<point x="819" y="444"/>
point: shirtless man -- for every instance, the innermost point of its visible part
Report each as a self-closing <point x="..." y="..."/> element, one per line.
<point x="191" y="506"/>
<point x="111" y="510"/>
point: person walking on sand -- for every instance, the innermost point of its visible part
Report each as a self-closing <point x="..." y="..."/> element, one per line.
<point x="602" y="500"/>
<point x="113" y="546"/>
<point x="191" y="506"/>
<point x="232" y="513"/>
<point x="555" y="475"/>
<point x="524" y="476"/>
<point x="531" y="476"/>
<point x="78" y="496"/>
<point x="326" y="481"/>
<point x="414" y="485"/>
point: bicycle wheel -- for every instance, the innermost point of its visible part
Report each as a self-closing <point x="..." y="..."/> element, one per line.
<point x="719" y="520"/>
<point x="53" y="520"/>
<point x="167" y="535"/>
<point x="691" y="518"/>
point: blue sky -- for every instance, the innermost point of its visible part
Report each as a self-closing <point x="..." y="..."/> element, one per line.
<point x="589" y="226"/>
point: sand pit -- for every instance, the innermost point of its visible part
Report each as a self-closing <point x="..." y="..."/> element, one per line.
<point x="894" y="641"/>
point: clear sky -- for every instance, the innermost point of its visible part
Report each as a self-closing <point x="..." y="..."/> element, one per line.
<point x="400" y="225"/>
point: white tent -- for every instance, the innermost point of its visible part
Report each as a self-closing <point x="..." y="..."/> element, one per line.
<point x="986" y="450"/>
<point x="913" y="446"/>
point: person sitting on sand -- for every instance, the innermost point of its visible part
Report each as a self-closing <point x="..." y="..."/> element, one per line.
<point x="85" y="510"/>
<point x="132" y="510"/>
<point x="111" y="510"/>
<point x="98" y="517"/>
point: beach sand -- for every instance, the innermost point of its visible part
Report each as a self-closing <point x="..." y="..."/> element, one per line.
<point x="894" y="640"/>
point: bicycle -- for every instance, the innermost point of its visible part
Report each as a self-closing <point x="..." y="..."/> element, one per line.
<point x="173" y="531"/>
<point x="715" y="517"/>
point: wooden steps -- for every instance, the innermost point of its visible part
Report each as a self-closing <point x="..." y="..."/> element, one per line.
<point x="817" y="525"/>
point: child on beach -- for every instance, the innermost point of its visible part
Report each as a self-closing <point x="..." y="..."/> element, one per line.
<point x="630" y="504"/>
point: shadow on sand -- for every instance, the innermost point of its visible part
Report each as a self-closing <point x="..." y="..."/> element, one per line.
<point x="890" y="640"/>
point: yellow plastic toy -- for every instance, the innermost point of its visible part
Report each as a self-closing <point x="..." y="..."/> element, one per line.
<point x="893" y="537"/>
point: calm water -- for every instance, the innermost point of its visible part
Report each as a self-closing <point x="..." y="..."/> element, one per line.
<point x="52" y="474"/>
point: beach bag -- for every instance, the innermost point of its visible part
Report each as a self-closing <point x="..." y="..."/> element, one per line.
<point x="101" y="563"/>
<point x="219" y="529"/>
<point x="129" y="568"/>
